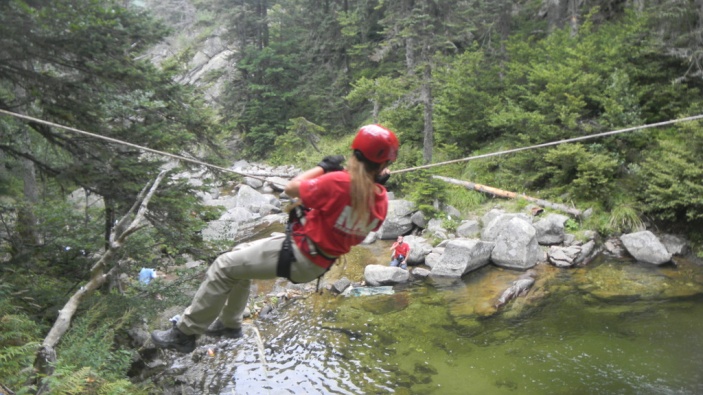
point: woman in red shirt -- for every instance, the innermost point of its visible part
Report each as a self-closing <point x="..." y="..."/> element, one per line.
<point x="341" y="207"/>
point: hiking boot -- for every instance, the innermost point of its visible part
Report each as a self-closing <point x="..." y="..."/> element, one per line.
<point x="217" y="328"/>
<point x="174" y="339"/>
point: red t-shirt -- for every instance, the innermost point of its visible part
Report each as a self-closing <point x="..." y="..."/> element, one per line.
<point x="401" y="249"/>
<point x="329" y="224"/>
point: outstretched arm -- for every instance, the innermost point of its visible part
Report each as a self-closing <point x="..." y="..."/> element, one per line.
<point x="293" y="187"/>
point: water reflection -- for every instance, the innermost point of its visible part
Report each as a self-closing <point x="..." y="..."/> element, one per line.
<point x="432" y="338"/>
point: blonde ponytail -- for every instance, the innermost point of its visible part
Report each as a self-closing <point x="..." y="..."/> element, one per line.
<point x="362" y="187"/>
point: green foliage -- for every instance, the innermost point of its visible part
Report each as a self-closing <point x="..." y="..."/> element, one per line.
<point x="19" y="340"/>
<point x="465" y="99"/>
<point x="463" y="199"/>
<point x="450" y="224"/>
<point x="84" y="381"/>
<point x="578" y="171"/>
<point x="570" y="225"/>
<point x="670" y="177"/>
<point x="90" y="344"/>
<point x="424" y="191"/>
<point x="625" y="218"/>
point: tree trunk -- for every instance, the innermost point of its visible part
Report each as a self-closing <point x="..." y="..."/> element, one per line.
<point x="46" y="354"/>
<point x="574" y="17"/>
<point x="26" y="220"/>
<point x="426" y="95"/>
<point x="512" y="195"/>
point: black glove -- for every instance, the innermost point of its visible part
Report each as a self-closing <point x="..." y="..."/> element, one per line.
<point x="332" y="163"/>
<point x="382" y="178"/>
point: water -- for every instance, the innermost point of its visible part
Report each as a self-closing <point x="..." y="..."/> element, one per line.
<point x="428" y="339"/>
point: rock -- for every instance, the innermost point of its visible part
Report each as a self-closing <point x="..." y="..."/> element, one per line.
<point x="462" y="256"/>
<point x="468" y="228"/>
<point x="550" y="230"/>
<point x="418" y="218"/>
<point x="419" y="249"/>
<point x="220" y="230"/>
<point x="519" y="287"/>
<point x="419" y="272"/>
<point x="645" y="247"/>
<point x="674" y="244"/>
<point x="432" y="259"/>
<point x="276" y="183"/>
<point x="370" y="291"/>
<point x="563" y="256"/>
<point x="253" y="182"/>
<point x="340" y="285"/>
<point x="517" y="247"/>
<point x="495" y="227"/>
<point x="376" y="275"/>
<point x="398" y="221"/>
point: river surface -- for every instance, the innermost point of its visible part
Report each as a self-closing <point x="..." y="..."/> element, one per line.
<point x="427" y="338"/>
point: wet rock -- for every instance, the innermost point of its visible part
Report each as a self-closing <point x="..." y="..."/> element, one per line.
<point x="614" y="248"/>
<point x="620" y="282"/>
<point x="588" y="252"/>
<point x="419" y="272"/>
<point x="519" y="287"/>
<point x="340" y="285"/>
<point x="563" y="256"/>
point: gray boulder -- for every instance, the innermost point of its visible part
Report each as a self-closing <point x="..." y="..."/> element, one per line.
<point x="674" y="244"/>
<point x="468" y="228"/>
<point x="376" y="275"/>
<point x="646" y="247"/>
<point x="516" y="247"/>
<point x="398" y="220"/>
<point x="419" y="249"/>
<point x="462" y="256"/>
<point x="550" y="230"/>
<point x="499" y="223"/>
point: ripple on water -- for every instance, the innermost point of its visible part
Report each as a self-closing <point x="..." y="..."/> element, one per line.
<point x="430" y="339"/>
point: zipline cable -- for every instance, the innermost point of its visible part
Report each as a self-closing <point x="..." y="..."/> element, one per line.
<point x="112" y="140"/>
<point x="498" y="153"/>
<point x="581" y="138"/>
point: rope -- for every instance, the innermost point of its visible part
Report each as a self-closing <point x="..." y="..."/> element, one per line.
<point x="581" y="138"/>
<point x="112" y="140"/>
<point x="498" y="153"/>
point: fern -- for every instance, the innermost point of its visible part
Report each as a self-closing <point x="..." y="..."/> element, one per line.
<point x="67" y="382"/>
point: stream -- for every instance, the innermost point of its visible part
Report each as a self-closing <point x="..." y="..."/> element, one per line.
<point x="435" y="337"/>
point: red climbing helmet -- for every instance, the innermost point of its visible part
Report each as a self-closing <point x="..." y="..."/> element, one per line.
<point x="376" y="143"/>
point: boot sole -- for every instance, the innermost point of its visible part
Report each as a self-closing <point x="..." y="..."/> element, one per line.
<point x="225" y="333"/>
<point x="177" y="347"/>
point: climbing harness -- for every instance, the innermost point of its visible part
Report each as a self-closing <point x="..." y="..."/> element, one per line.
<point x="286" y="257"/>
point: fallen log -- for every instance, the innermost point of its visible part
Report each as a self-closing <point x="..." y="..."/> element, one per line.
<point x="512" y="195"/>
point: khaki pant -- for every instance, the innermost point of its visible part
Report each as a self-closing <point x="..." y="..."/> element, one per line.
<point x="225" y="291"/>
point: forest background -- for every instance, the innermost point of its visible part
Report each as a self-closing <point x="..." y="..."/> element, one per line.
<point x="452" y="78"/>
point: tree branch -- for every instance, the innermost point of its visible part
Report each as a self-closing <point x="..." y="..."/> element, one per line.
<point x="46" y="354"/>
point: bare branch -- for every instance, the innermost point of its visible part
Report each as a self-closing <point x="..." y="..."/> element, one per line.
<point x="46" y="354"/>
